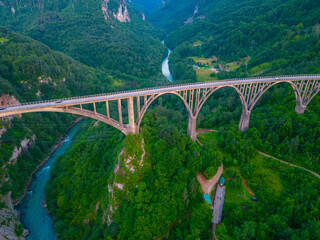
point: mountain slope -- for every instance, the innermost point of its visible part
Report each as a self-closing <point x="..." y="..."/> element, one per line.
<point x="31" y="71"/>
<point x="145" y="6"/>
<point x="276" y="37"/>
<point x="107" y="34"/>
<point x="172" y="14"/>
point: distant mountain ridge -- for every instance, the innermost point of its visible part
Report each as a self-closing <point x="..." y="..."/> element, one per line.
<point x="109" y="34"/>
<point x="276" y="37"/>
<point x="172" y="14"/>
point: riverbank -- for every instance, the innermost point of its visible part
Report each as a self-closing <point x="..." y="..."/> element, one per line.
<point x="52" y="150"/>
<point x="33" y="213"/>
<point x="11" y="226"/>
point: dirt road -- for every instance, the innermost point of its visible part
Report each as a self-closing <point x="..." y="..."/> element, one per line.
<point x="290" y="164"/>
<point x="207" y="185"/>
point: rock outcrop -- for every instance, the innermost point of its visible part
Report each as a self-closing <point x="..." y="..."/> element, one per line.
<point x="9" y="220"/>
<point x="23" y="146"/>
<point x="121" y="13"/>
<point x="127" y="176"/>
<point x="6" y="99"/>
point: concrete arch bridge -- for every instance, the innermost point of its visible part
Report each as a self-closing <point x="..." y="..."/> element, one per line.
<point x="193" y="95"/>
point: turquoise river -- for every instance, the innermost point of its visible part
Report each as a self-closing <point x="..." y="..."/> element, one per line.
<point x="33" y="213"/>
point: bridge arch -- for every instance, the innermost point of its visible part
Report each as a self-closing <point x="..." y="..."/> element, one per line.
<point x="85" y="113"/>
<point x="294" y="87"/>
<point x="193" y="118"/>
<point x="241" y="97"/>
<point x="147" y="105"/>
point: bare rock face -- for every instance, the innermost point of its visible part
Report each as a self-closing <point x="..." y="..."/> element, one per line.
<point x="104" y="9"/>
<point x="193" y="17"/>
<point x="23" y="146"/>
<point x="6" y="99"/>
<point x="2" y="131"/>
<point x="121" y="14"/>
<point x="9" y="220"/>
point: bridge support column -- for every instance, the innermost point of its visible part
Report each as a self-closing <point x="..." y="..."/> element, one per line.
<point x="192" y="125"/>
<point x="244" y="120"/>
<point x="300" y="107"/>
<point x="132" y="125"/>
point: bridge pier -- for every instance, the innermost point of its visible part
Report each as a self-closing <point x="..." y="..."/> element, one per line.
<point x="132" y="125"/>
<point x="192" y="125"/>
<point x="244" y="120"/>
<point x="300" y="108"/>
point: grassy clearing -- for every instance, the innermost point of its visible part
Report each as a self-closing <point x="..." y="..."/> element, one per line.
<point x="205" y="60"/>
<point x="203" y="75"/>
<point x="265" y="174"/>
<point x="268" y="173"/>
<point x="239" y="195"/>
<point x="234" y="65"/>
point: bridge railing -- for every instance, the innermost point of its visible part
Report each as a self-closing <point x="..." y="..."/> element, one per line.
<point x="164" y="87"/>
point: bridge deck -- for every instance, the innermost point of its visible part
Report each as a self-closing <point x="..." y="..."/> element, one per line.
<point x="142" y="92"/>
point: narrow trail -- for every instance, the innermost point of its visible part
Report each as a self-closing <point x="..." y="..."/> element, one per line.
<point x="207" y="185"/>
<point x="290" y="164"/>
<point x="203" y="131"/>
<point x="244" y="183"/>
<point x="264" y="154"/>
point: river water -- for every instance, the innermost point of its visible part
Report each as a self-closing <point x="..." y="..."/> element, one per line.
<point x="34" y="215"/>
<point x="165" y="66"/>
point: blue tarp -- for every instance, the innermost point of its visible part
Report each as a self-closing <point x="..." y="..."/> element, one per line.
<point x="207" y="198"/>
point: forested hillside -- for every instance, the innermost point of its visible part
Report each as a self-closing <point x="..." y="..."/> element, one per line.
<point x="31" y="71"/>
<point x="172" y="14"/>
<point x="147" y="202"/>
<point x="111" y="186"/>
<point x="267" y="37"/>
<point x="163" y="199"/>
<point x="110" y="35"/>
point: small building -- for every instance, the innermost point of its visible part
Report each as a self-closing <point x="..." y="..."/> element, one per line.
<point x="207" y="199"/>
<point x="221" y="181"/>
<point x="218" y="204"/>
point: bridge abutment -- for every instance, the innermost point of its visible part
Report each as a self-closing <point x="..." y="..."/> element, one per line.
<point x="192" y="125"/>
<point x="244" y="120"/>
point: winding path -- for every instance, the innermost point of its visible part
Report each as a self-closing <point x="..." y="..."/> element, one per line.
<point x="290" y="164"/>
